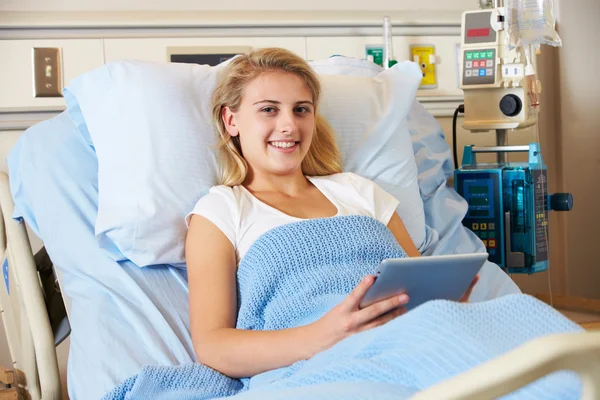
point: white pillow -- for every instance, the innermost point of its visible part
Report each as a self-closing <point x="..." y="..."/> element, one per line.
<point x="369" y="115"/>
<point x="150" y="124"/>
<point x="340" y="65"/>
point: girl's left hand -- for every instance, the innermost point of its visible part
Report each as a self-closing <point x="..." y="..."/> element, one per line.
<point x="465" y="297"/>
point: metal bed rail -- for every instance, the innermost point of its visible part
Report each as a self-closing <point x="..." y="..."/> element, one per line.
<point x="33" y="348"/>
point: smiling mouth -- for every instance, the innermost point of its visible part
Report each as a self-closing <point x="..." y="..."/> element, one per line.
<point x="283" y="145"/>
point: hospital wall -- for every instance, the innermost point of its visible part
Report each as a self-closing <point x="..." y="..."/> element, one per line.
<point x="234" y="5"/>
<point x="578" y="145"/>
<point x="569" y="125"/>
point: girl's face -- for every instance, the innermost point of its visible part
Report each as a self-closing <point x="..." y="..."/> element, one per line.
<point x="275" y="123"/>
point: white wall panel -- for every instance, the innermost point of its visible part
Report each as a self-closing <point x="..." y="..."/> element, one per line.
<point x="233" y="5"/>
<point x="7" y="141"/>
<point x="16" y="69"/>
<point x="445" y="47"/>
<point x="155" y="49"/>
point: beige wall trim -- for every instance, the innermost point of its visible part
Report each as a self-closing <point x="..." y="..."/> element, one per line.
<point x="144" y="19"/>
<point x="571" y="303"/>
<point x="32" y="25"/>
<point x="21" y="120"/>
<point x="231" y="31"/>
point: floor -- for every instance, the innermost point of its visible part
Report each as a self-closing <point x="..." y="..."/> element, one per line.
<point x="588" y="320"/>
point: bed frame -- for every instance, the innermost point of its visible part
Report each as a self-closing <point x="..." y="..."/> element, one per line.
<point x="36" y="372"/>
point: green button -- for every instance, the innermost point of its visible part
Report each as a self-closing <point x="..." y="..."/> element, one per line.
<point x="469" y="55"/>
<point x="483" y="235"/>
<point x="476" y="55"/>
<point x="490" y="54"/>
<point x="482" y="54"/>
<point x="492" y="234"/>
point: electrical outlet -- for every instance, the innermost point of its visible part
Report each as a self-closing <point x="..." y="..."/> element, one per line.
<point x="374" y="53"/>
<point x="47" y="72"/>
<point x="425" y="56"/>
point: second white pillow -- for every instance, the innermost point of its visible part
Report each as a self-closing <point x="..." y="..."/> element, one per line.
<point x="369" y="114"/>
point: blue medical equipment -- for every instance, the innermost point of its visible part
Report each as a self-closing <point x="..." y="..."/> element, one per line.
<point x="508" y="207"/>
<point x="508" y="202"/>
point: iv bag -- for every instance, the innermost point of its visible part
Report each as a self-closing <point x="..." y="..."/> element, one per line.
<point x="531" y="22"/>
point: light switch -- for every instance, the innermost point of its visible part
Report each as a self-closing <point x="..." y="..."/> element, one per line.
<point x="47" y="72"/>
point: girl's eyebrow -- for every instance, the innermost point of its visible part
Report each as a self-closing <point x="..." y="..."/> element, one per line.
<point x="278" y="102"/>
<point x="267" y="101"/>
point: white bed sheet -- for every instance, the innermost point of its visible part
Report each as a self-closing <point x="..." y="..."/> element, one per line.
<point x="124" y="317"/>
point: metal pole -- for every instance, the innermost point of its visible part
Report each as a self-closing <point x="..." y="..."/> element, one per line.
<point x="501" y="141"/>
<point x="387" y="42"/>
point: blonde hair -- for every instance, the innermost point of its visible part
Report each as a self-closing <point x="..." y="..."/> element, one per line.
<point x="323" y="157"/>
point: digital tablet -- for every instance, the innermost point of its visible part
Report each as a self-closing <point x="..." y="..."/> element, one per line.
<point x="424" y="278"/>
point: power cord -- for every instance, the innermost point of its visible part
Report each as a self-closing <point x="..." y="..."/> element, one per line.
<point x="460" y="109"/>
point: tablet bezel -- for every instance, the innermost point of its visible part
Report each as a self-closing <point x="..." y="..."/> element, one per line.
<point x="424" y="278"/>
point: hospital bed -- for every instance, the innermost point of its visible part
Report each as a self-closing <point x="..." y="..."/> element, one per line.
<point x="125" y="317"/>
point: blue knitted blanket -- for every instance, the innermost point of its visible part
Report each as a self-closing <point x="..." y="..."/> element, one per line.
<point x="294" y="274"/>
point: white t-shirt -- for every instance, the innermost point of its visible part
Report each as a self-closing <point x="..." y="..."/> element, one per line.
<point x="243" y="218"/>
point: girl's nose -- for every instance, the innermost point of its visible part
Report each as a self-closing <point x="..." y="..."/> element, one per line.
<point x="287" y="123"/>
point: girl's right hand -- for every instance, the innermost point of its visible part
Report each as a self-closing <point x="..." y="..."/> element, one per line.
<point x="347" y="318"/>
